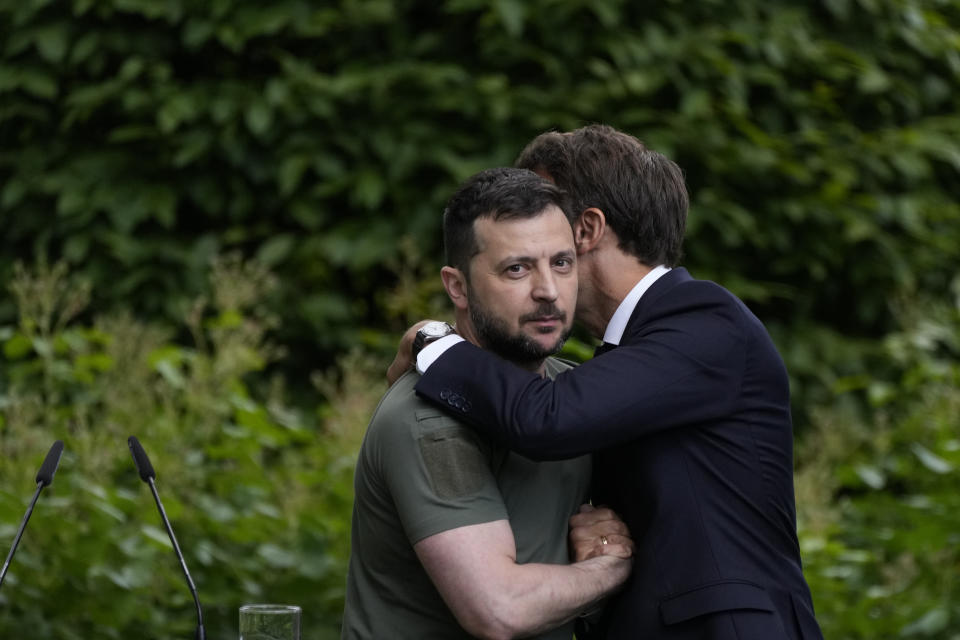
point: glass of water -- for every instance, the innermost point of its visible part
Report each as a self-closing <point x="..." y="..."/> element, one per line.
<point x="269" y="622"/>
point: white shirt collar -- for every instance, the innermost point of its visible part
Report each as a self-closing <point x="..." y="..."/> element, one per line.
<point x="618" y="323"/>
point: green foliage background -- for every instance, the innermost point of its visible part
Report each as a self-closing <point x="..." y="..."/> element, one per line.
<point x="145" y="145"/>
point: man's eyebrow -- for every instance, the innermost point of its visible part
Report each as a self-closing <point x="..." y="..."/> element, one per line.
<point x="513" y="260"/>
<point x="570" y="254"/>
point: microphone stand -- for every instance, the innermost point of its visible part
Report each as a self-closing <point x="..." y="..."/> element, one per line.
<point x="23" y="525"/>
<point x="201" y="633"/>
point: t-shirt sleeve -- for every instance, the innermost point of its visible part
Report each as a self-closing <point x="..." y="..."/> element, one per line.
<point x="439" y="474"/>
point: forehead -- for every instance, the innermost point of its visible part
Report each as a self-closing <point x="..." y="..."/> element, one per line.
<point x="547" y="233"/>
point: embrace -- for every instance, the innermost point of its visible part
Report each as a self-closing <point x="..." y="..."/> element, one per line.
<point x="646" y="493"/>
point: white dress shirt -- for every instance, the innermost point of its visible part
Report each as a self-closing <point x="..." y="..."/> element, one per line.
<point x="618" y="323"/>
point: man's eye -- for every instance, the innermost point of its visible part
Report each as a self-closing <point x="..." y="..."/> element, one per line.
<point x="563" y="263"/>
<point x="515" y="268"/>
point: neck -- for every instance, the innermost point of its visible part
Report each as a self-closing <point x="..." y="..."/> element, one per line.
<point x="606" y="277"/>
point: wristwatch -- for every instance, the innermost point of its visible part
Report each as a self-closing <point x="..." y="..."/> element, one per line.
<point x="428" y="333"/>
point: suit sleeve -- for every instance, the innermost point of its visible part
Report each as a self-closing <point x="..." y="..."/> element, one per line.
<point x="684" y="367"/>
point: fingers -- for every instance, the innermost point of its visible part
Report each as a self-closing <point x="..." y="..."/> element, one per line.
<point x="599" y="521"/>
<point x="398" y="367"/>
<point x="585" y="551"/>
<point x="598" y="531"/>
<point x="590" y="536"/>
<point x="403" y="362"/>
<point x="621" y="551"/>
<point x="591" y="516"/>
<point x="602" y="528"/>
<point x="616" y="545"/>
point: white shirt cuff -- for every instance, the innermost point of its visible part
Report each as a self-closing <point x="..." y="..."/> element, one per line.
<point x="434" y="350"/>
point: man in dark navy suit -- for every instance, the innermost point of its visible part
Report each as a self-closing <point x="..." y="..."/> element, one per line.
<point x="686" y="408"/>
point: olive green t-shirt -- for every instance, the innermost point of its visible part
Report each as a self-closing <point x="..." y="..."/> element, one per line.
<point x="421" y="472"/>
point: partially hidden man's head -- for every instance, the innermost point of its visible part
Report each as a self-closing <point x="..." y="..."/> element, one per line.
<point x="511" y="263"/>
<point x="641" y="193"/>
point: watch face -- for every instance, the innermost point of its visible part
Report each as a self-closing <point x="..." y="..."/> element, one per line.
<point x="436" y="329"/>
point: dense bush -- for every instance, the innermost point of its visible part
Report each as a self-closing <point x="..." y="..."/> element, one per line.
<point x="878" y="501"/>
<point x="821" y="142"/>
<point x="258" y="492"/>
<point x="139" y="140"/>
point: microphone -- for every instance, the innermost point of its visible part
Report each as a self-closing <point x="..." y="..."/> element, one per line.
<point x="50" y="464"/>
<point x="148" y="475"/>
<point x="44" y="479"/>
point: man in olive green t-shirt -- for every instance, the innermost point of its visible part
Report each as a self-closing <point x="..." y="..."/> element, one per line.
<point x="453" y="536"/>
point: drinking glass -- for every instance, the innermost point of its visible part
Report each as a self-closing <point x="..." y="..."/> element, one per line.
<point x="269" y="622"/>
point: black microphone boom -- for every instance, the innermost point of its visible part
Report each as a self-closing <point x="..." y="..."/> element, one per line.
<point x="50" y="464"/>
<point x="140" y="460"/>
<point x="44" y="479"/>
<point x="147" y="474"/>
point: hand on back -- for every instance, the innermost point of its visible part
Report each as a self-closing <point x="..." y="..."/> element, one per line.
<point x="403" y="362"/>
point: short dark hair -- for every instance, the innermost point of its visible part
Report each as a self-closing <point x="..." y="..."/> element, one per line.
<point x="641" y="192"/>
<point x="501" y="193"/>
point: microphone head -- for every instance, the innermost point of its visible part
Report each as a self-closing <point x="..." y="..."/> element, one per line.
<point x="50" y="464"/>
<point x="140" y="460"/>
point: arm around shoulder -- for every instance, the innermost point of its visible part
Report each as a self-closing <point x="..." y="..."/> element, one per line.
<point x="680" y="368"/>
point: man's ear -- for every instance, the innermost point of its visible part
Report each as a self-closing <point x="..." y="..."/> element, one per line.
<point x="455" y="282"/>
<point x="588" y="230"/>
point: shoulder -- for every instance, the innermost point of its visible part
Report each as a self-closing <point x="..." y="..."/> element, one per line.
<point x="679" y="292"/>
<point x="710" y="294"/>
<point x="402" y="415"/>
<point x="705" y="311"/>
<point x="399" y="396"/>
<point x="402" y="425"/>
<point x="695" y="317"/>
<point x="706" y="290"/>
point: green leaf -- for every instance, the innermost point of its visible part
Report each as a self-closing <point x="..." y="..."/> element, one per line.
<point x="17" y="347"/>
<point x="277" y="557"/>
<point x="930" y="460"/>
<point x="171" y="373"/>
<point x="370" y="188"/>
<point x="258" y="117"/>
<point x="12" y="193"/>
<point x="38" y="83"/>
<point x="512" y="14"/>
<point x="43" y="347"/>
<point x="197" y="32"/>
<point x="291" y="171"/>
<point x="157" y="535"/>
<point x="276" y="249"/>
<point x="52" y="42"/>
<point x="932" y="622"/>
<point x="871" y="476"/>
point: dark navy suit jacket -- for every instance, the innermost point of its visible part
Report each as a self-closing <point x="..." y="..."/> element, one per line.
<point x="689" y="420"/>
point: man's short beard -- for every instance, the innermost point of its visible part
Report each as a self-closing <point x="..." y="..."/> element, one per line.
<point x="495" y="336"/>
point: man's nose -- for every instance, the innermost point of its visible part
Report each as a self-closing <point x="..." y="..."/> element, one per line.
<point x="545" y="286"/>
